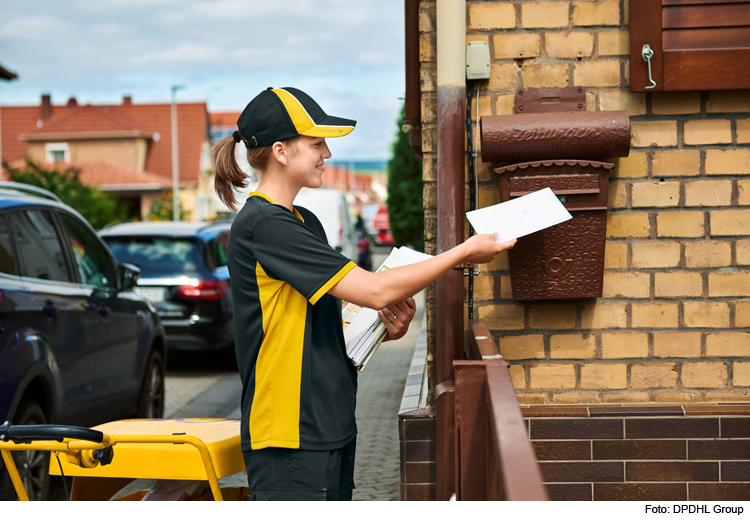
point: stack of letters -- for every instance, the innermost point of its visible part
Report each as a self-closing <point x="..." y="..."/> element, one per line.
<point x="363" y="330"/>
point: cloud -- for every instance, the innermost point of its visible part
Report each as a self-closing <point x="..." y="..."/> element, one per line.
<point x="186" y="53"/>
<point x="232" y="9"/>
<point x="111" y="30"/>
<point x="32" y="27"/>
<point x="347" y="54"/>
<point x="120" y="5"/>
<point x="374" y="58"/>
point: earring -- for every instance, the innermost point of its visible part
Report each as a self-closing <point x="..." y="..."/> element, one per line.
<point x="286" y="162"/>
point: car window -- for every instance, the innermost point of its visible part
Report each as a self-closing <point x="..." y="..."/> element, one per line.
<point x="7" y="255"/>
<point x="158" y="256"/>
<point x="94" y="264"/>
<point x="220" y="245"/>
<point x="39" y="249"/>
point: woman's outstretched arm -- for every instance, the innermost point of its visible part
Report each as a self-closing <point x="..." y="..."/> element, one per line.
<point x="377" y="291"/>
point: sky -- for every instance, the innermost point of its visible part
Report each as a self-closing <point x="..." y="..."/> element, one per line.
<point x="347" y="54"/>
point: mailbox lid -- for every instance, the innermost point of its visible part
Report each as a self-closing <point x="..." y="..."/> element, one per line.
<point x="581" y="184"/>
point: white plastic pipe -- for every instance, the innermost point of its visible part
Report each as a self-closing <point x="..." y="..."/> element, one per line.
<point x="451" y="42"/>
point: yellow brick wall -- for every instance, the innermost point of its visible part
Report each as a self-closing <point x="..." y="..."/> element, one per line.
<point x="673" y="322"/>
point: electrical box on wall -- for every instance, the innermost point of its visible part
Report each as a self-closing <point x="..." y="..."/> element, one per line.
<point x="477" y="60"/>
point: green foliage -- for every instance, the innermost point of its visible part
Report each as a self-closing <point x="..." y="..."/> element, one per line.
<point x="405" y="207"/>
<point x="162" y="208"/>
<point x="96" y="207"/>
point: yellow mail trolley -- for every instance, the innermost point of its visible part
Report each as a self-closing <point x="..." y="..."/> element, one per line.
<point x="186" y="457"/>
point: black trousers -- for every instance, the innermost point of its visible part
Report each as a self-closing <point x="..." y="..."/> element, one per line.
<point x="301" y="475"/>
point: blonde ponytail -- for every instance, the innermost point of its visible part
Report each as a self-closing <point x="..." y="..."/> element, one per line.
<point x="229" y="176"/>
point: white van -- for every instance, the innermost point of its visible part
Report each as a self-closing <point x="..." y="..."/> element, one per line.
<point x="331" y="208"/>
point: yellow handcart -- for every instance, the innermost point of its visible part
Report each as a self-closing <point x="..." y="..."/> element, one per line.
<point x="185" y="457"/>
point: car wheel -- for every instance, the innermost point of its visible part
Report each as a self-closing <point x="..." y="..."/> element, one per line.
<point x="33" y="465"/>
<point x="151" y="402"/>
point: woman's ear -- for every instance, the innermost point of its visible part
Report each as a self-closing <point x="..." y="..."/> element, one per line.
<point x="278" y="150"/>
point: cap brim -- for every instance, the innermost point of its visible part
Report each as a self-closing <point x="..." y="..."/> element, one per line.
<point x="330" y="127"/>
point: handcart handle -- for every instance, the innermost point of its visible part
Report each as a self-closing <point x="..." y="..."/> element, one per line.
<point x="47" y="432"/>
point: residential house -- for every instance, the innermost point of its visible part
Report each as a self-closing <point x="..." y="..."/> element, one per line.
<point x="223" y="124"/>
<point x="364" y="187"/>
<point x="130" y="143"/>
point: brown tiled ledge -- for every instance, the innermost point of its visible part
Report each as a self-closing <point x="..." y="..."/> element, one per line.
<point x="417" y="429"/>
<point x="641" y="410"/>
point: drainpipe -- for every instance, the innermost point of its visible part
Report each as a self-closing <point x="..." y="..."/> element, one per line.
<point x="451" y="104"/>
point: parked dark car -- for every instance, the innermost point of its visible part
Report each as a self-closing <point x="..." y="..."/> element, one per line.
<point x="77" y="345"/>
<point x="184" y="272"/>
<point x="364" y="244"/>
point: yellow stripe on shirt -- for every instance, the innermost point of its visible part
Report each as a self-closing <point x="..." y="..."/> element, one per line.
<point x="274" y="417"/>
<point x="331" y="282"/>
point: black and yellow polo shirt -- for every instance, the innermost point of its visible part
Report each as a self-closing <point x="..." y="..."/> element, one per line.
<point x="298" y="386"/>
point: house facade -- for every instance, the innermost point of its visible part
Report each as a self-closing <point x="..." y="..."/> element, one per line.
<point x="672" y="323"/>
<point x="134" y="140"/>
<point x="670" y="331"/>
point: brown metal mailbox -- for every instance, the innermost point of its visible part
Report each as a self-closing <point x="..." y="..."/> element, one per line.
<point x="565" y="261"/>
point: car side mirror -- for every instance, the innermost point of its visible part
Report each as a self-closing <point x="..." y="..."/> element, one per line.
<point x="129" y="275"/>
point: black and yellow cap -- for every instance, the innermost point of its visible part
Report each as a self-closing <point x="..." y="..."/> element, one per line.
<point x="277" y="114"/>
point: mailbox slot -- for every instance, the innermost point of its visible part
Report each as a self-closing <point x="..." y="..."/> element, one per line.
<point x="565" y="261"/>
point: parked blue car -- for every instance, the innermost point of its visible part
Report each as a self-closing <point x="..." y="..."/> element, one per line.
<point x="184" y="273"/>
<point x="77" y="345"/>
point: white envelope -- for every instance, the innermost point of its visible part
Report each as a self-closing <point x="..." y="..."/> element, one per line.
<point x="520" y="216"/>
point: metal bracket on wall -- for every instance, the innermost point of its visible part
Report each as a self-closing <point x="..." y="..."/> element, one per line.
<point x="533" y="100"/>
<point x="468" y="269"/>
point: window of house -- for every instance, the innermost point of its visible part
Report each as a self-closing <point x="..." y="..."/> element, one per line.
<point x="57" y="152"/>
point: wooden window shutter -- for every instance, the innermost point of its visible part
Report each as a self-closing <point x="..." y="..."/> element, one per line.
<point x="697" y="44"/>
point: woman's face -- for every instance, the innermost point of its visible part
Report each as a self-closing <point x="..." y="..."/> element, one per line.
<point x="306" y="160"/>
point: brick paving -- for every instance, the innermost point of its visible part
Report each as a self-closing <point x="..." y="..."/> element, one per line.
<point x="381" y="385"/>
<point x="184" y="387"/>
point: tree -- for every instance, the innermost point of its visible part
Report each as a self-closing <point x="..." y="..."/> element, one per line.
<point x="96" y="207"/>
<point x="163" y="208"/>
<point x="405" y="205"/>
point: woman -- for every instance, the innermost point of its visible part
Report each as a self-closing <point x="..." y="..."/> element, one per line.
<point x="299" y="387"/>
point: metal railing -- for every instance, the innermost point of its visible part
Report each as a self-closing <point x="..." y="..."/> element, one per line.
<point x="483" y="450"/>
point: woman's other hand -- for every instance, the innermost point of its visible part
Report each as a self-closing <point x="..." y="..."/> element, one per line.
<point x="484" y="248"/>
<point x="397" y="317"/>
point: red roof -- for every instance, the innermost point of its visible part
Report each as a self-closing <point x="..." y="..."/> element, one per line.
<point x="224" y="119"/>
<point x="109" y="176"/>
<point x="112" y="177"/>
<point x="14" y="121"/>
<point x="86" y="121"/>
<point x="149" y="119"/>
